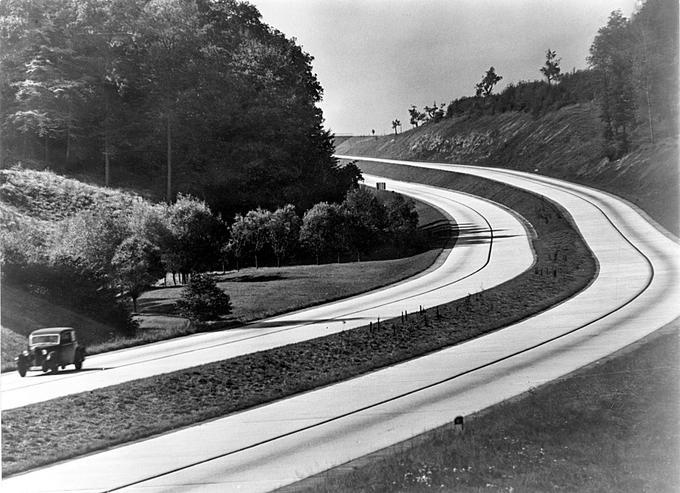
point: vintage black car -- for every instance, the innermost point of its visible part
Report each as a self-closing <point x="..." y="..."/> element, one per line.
<point x="49" y="349"/>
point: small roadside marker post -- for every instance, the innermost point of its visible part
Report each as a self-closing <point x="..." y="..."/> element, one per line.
<point x="458" y="426"/>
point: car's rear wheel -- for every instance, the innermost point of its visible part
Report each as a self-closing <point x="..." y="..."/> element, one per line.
<point x="78" y="364"/>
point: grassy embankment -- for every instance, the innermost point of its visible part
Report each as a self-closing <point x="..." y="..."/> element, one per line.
<point x="105" y="417"/>
<point x="610" y="427"/>
<point x="564" y="144"/>
<point x="44" y="198"/>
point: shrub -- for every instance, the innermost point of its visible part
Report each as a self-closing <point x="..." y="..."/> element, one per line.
<point x="203" y="300"/>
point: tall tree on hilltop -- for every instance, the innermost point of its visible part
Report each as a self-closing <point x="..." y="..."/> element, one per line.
<point x="173" y="56"/>
<point x="485" y="86"/>
<point x="416" y="116"/>
<point x="395" y="125"/>
<point x="551" y="68"/>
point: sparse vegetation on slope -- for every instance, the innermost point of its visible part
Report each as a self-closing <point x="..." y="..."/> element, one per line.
<point x="564" y="144"/>
<point x="47" y="196"/>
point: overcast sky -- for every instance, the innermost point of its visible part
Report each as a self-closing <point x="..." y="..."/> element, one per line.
<point x="375" y="58"/>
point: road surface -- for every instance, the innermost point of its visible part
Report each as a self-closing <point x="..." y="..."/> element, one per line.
<point x="489" y="236"/>
<point x="634" y="294"/>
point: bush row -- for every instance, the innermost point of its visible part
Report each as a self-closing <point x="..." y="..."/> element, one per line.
<point x="99" y="260"/>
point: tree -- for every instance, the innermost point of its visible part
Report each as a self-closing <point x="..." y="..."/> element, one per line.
<point x="321" y="229"/>
<point x="195" y="237"/>
<point x="485" y="87"/>
<point x="250" y="233"/>
<point x="135" y="265"/>
<point x="402" y="218"/>
<point x="238" y="239"/>
<point x="611" y="58"/>
<point x="91" y="239"/>
<point x="203" y="300"/>
<point x="551" y="69"/>
<point x="654" y="42"/>
<point x="173" y="38"/>
<point x="416" y="116"/>
<point x="395" y="125"/>
<point x="257" y="223"/>
<point x="365" y="220"/>
<point x="435" y="112"/>
<point x="283" y="231"/>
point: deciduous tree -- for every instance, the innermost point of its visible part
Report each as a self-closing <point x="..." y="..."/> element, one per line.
<point x="283" y="231"/>
<point x="365" y="220"/>
<point x="136" y="265"/>
<point x="490" y="79"/>
<point x="321" y="230"/>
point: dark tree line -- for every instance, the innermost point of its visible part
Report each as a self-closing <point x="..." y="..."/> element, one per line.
<point x="361" y="224"/>
<point x="173" y="96"/>
<point x="635" y="64"/>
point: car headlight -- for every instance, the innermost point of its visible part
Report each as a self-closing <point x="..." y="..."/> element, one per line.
<point x="43" y="352"/>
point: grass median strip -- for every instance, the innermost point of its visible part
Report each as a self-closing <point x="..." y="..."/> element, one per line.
<point x="78" y="424"/>
<point x="611" y="427"/>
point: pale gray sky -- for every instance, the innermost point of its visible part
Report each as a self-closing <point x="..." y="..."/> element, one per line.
<point x="375" y="58"/>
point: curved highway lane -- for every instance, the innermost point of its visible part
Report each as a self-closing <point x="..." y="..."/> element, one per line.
<point x="634" y="294"/>
<point x="494" y="233"/>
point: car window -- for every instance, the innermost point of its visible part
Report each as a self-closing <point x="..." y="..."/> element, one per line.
<point x="45" y="339"/>
<point x="66" y="337"/>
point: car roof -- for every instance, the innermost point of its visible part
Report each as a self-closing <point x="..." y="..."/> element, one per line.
<point x="51" y="330"/>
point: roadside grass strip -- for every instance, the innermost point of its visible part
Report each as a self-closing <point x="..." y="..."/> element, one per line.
<point x="78" y="424"/>
<point x="609" y="427"/>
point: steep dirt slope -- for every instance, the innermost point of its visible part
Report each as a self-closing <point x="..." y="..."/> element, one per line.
<point x="565" y="144"/>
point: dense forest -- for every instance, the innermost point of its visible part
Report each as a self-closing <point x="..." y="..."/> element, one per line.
<point x="632" y="75"/>
<point x="168" y="96"/>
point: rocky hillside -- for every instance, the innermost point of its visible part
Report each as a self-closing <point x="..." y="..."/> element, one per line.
<point x="565" y="144"/>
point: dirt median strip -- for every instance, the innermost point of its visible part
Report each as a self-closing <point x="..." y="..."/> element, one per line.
<point x="74" y="425"/>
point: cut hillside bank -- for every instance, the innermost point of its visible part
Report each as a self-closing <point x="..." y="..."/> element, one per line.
<point x="565" y="144"/>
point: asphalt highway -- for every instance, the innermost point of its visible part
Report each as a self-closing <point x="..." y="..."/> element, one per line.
<point x="634" y="294"/>
<point x="489" y="236"/>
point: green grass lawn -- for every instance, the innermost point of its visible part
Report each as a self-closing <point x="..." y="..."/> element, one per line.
<point x="610" y="427"/>
<point x="260" y="293"/>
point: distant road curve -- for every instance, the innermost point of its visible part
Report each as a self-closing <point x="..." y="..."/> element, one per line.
<point x="634" y="294"/>
<point x="467" y="268"/>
